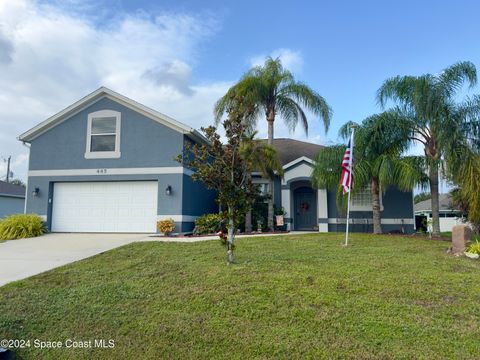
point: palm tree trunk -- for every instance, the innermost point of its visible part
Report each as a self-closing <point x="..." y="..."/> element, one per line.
<point x="377" y="224"/>
<point x="270" y="120"/>
<point x="433" y="179"/>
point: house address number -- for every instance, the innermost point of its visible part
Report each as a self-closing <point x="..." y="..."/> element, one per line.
<point x="101" y="171"/>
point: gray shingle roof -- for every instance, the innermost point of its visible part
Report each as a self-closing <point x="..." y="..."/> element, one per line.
<point x="445" y="201"/>
<point x="11" y="190"/>
<point x="290" y="149"/>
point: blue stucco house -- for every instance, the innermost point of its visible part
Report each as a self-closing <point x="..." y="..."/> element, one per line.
<point x="12" y="199"/>
<point x="106" y="164"/>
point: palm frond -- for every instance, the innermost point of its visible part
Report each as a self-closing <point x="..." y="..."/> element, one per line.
<point x="304" y="96"/>
<point x="454" y="77"/>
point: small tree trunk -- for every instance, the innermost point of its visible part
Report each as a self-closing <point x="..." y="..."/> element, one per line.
<point x="270" y="120"/>
<point x="231" y="236"/>
<point x="377" y="223"/>
<point x="433" y="179"/>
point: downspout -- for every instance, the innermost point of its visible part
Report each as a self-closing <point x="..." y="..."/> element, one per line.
<point x="26" y="187"/>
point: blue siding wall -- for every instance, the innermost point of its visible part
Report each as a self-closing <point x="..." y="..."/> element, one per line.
<point x="143" y="142"/>
<point x="11" y="205"/>
<point x="197" y="199"/>
<point x="396" y="205"/>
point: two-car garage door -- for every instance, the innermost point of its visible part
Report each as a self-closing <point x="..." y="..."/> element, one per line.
<point x="123" y="206"/>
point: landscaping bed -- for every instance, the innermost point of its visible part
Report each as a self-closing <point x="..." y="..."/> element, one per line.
<point x="298" y="296"/>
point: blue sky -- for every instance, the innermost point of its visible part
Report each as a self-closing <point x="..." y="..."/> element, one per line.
<point x="180" y="56"/>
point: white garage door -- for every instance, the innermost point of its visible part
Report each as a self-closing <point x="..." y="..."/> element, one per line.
<point x="124" y="206"/>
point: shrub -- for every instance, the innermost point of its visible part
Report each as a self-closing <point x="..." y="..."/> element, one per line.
<point x="208" y="224"/>
<point x="474" y="248"/>
<point x="21" y="226"/>
<point x="166" y="226"/>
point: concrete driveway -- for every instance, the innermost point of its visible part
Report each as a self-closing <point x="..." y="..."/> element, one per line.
<point x="26" y="257"/>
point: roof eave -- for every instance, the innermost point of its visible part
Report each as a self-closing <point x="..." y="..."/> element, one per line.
<point x="79" y="105"/>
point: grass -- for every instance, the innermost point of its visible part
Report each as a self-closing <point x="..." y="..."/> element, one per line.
<point x="303" y="296"/>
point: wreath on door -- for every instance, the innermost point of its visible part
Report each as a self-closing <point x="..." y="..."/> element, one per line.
<point x="305" y="206"/>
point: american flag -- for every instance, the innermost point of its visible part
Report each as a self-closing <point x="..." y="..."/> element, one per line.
<point x="347" y="164"/>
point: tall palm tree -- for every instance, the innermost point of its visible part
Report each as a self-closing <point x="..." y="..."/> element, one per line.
<point x="430" y="116"/>
<point x="377" y="163"/>
<point x="273" y="90"/>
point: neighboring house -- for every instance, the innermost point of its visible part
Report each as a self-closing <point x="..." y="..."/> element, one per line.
<point x="107" y="164"/>
<point x="449" y="216"/>
<point x="311" y="209"/>
<point x="12" y="199"/>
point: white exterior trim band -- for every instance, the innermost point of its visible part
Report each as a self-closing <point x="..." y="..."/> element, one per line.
<point x="392" y="221"/>
<point x="298" y="160"/>
<point x="113" y="171"/>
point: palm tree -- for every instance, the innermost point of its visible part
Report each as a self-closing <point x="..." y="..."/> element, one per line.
<point x="273" y="90"/>
<point x="430" y="116"/>
<point x="463" y="160"/>
<point x="377" y="163"/>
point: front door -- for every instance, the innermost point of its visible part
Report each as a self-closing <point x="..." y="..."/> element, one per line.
<point x="305" y="208"/>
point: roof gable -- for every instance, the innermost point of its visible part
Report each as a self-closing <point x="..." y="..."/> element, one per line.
<point x="290" y="150"/>
<point x="104" y="92"/>
<point x="299" y="160"/>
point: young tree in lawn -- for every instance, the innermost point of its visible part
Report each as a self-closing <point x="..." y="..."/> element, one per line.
<point x="377" y="163"/>
<point x="428" y="104"/>
<point x="226" y="167"/>
<point x="274" y="91"/>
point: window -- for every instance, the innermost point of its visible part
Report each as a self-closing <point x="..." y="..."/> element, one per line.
<point x="264" y="189"/>
<point x="103" y="135"/>
<point x="263" y="186"/>
<point x="362" y="200"/>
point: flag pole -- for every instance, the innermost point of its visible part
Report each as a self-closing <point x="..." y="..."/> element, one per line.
<point x="351" y="185"/>
<point x="348" y="219"/>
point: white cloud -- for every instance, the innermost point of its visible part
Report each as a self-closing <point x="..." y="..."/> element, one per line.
<point x="291" y="59"/>
<point x="51" y="56"/>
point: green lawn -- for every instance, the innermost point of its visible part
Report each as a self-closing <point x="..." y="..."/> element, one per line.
<point x="286" y="297"/>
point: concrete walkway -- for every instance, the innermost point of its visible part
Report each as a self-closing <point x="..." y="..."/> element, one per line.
<point x="215" y="237"/>
<point x="22" y="258"/>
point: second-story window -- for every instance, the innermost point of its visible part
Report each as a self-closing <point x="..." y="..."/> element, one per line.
<point x="103" y="135"/>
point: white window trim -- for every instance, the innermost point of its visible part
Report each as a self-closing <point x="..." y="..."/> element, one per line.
<point x="103" y="154"/>
<point x="367" y="207"/>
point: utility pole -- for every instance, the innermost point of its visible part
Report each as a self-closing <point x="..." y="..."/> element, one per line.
<point x="8" y="168"/>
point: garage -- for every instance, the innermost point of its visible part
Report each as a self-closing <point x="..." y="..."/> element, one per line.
<point x="120" y="206"/>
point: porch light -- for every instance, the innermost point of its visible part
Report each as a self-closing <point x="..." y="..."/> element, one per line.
<point x="168" y="190"/>
<point x="36" y="191"/>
